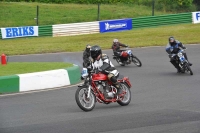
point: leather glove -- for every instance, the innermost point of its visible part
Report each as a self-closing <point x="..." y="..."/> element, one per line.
<point x="89" y="68"/>
<point x="82" y="78"/>
<point x="98" y="70"/>
<point x="171" y="56"/>
<point x="184" y="47"/>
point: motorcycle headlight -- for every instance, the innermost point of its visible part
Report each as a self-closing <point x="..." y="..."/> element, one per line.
<point x="180" y="54"/>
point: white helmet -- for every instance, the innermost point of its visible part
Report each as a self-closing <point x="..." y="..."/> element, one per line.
<point x="115" y="40"/>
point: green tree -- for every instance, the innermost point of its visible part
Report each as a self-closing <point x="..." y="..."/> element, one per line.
<point x="197" y="3"/>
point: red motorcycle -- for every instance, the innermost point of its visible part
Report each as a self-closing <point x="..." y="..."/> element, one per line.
<point x="126" y="57"/>
<point x="98" y="88"/>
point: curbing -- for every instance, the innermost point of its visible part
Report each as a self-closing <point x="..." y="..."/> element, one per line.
<point x="40" y="80"/>
<point x="73" y="75"/>
<point x="9" y="84"/>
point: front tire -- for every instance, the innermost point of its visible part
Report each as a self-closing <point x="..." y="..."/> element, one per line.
<point x="189" y="69"/>
<point x="136" y="61"/>
<point x="126" y="99"/>
<point x="86" y="104"/>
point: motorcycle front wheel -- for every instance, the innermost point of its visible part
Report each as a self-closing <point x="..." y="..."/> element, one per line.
<point x="85" y="103"/>
<point x="136" y="61"/>
<point x="189" y="69"/>
<point x="126" y="99"/>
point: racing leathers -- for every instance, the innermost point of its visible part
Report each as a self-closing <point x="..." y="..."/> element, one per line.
<point x="86" y="57"/>
<point x="116" y="48"/>
<point x="173" y="49"/>
<point x="117" y="52"/>
<point x="105" y="66"/>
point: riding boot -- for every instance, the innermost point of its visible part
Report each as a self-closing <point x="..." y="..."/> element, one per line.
<point x="120" y="61"/>
<point x="119" y="88"/>
<point x="117" y="85"/>
<point x="117" y="54"/>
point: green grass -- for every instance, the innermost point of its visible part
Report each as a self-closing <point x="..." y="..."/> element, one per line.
<point x="155" y="36"/>
<point x="23" y="13"/>
<point x="28" y="67"/>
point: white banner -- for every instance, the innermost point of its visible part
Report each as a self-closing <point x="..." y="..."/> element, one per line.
<point x="14" y="32"/>
<point x="196" y="17"/>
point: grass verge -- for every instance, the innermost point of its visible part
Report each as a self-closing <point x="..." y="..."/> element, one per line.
<point x="23" y="13"/>
<point x="155" y="36"/>
<point x="28" y="67"/>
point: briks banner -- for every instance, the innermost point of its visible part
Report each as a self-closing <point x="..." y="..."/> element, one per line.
<point x="196" y="17"/>
<point x="115" y="25"/>
<point x="14" y="32"/>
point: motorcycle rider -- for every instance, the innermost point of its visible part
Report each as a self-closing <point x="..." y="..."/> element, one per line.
<point x="86" y="56"/>
<point x="86" y="63"/>
<point x="102" y="63"/>
<point x="116" y="49"/>
<point x="172" y="48"/>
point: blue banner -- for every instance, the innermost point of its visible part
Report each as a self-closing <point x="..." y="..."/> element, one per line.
<point x="115" y="25"/>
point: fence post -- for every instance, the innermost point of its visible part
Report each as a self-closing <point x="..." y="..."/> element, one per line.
<point x="153" y="4"/>
<point x="37" y="14"/>
<point x="98" y="12"/>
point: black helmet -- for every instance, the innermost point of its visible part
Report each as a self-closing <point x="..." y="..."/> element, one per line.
<point x="95" y="51"/>
<point x="171" y="40"/>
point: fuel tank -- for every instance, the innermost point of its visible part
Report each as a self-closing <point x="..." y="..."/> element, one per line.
<point x="99" y="76"/>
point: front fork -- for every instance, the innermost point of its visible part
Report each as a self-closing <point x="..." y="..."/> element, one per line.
<point x="89" y="90"/>
<point x="89" y="87"/>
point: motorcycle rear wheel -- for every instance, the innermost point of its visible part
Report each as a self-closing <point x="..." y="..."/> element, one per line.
<point x="136" y="61"/>
<point x="127" y="97"/>
<point x="84" y="103"/>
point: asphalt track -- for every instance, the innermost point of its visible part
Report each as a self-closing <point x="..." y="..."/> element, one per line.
<point x="162" y="100"/>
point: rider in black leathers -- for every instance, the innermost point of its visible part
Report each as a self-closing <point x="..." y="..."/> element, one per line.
<point x="86" y="56"/>
<point x="86" y="61"/>
<point x="116" y="48"/>
<point x="172" y="48"/>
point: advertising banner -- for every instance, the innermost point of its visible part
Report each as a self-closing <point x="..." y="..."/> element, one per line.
<point x="196" y="17"/>
<point x="14" y="32"/>
<point x="115" y="25"/>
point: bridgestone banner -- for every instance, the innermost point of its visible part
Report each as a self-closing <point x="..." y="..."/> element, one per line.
<point x="196" y="17"/>
<point x="14" y="32"/>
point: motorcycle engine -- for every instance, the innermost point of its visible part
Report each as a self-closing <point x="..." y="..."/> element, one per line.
<point x="99" y="86"/>
<point x="105" y="89"/>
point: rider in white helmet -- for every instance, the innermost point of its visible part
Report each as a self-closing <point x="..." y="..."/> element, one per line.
<point x="116" y="48"/>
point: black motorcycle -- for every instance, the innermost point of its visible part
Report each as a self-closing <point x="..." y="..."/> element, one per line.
<point x="183" y="63"/>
